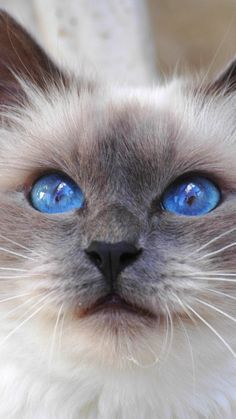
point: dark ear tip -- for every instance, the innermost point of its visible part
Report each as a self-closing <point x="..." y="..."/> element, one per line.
<point x="20" y="54"/>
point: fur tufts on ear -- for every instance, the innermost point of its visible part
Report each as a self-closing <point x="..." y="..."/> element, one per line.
<point x="22" y="57"/>
<point x="225" y="83"/>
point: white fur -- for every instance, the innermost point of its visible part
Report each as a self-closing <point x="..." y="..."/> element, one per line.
<point x="31" y="389"/>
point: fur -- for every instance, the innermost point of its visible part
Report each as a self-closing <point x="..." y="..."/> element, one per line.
<point x="123" y="147"/>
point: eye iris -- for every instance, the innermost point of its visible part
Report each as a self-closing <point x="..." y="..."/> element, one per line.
<point x="56" y="193"/>
<point x="196" y="196"/>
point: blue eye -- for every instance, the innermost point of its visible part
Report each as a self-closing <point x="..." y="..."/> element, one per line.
<point x="193" y="196"/>
<point x="56" y="193"/>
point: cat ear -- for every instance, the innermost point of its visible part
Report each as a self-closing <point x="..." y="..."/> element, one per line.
<point x="226" y="81"/>
<point x="21" y="57"/>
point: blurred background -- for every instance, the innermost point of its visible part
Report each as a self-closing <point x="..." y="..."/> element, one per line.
<point x="134" y="41"/>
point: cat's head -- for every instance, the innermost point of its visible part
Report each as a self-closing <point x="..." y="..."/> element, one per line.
<point x="117" y="207"/>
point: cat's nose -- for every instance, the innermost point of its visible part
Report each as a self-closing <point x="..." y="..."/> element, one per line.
<point x="112" y="258"/>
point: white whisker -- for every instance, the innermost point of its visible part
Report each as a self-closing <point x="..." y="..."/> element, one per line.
<point x="3" y="268"/>
<point x="212" y="273"/>
<point x="25" y="303"/>
<point x="22" y="323"/>
<point x="28" y="275"/>
<point x="15" y="297"/>
<point x="18" y="244"/>
<point x="171" y="331"/>
<point x="16" y="253"/>
<point x="211" y="278"/>
<point x="213" y="330"/>
<point x="185" y="309"/>
<point x="191" y="352"/>
<point x="167" y="336"/>
<point x="54" y="336"/>
<point x="221" y="293"/>
<point x="17" y="307"/>
<point x="61" y="331"/>
<point x="218" y="310"/>
<point x="136" y="362"/>
<point x="212" y="241"/>
<point x="165" y="340"/>
<point x="216" y="252"/>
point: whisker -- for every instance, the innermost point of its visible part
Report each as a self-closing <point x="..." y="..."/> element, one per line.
<point x="211" y="273"/>
<point x="25" y="303"/>
<point x="61" y="330"/>
<point x="171" y="331"/>
<point x="165" y="340"/>
<point x="28" y="275"/>
<point x="15" y="297"/>
<point x="217" y="251"/>
<point x="185" y="309"/>
<point x="191" y="352"/>
<point x="3" y="268"/>
<point x="218" y="310"/>
<point x="136" y="362"/>
<point x="18" y="244"/>
<point x="211" y="278"/>
<point x="16" y="254"/>
<point x="221" y="293"/>
<point x="213" y="330"/>
<point x="22" y="323"/>
<point x="54" y="336"/>
<point x="17" y="307"/>
<point x="167" y="337"/>
<point x="212" y="241"/>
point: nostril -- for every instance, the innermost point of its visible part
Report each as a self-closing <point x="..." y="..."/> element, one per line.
<point x="125" y="257"/>
<point x="128" y="258"/>
<point x="95" y="258"/>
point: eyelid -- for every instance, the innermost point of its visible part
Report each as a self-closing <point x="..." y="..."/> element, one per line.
<point x="36" y="175"/>
<point x="212" y="177"/>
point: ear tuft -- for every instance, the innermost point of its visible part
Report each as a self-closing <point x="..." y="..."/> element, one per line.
<point x="21" y="56"/>
<point x="225" y="83"/>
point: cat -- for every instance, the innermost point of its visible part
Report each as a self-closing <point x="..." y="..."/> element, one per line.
<point x="117" y="243"/>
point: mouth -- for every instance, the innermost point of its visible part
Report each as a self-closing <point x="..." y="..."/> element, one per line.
<point x="115" y="304"/>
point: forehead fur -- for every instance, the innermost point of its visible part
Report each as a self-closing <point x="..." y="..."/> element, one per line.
<point x="164" y="132"/>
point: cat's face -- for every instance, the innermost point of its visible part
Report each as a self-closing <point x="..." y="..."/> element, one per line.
<point x="123" y="149"/>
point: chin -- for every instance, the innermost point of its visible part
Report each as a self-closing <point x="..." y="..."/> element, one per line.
<point x="119" y="363"/>
<point x="114" y="334"/>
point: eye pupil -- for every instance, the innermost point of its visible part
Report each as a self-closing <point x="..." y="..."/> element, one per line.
<point x="59" y="192"/>
<point x="190" y="200"/>
<point x="191" y="197"/>
<point x="56" y="193"/>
